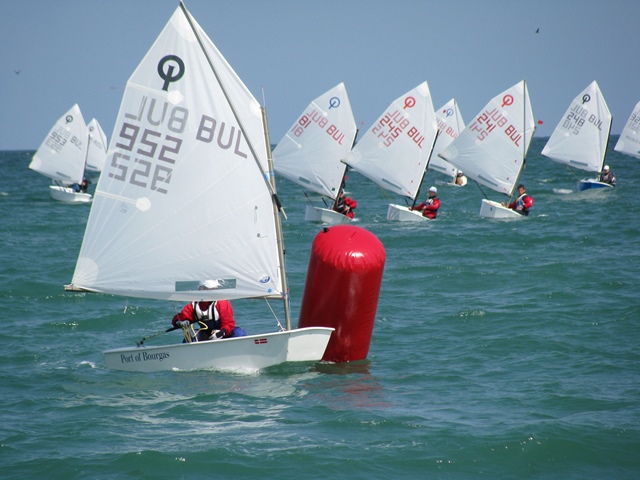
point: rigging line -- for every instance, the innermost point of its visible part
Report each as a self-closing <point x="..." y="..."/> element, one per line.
<point x="306" y="195"/>
<point x="481" y="191"/>
<point x="282" y="329"/>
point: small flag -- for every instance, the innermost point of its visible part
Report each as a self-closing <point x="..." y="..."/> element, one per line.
<point x="540" y="122"/>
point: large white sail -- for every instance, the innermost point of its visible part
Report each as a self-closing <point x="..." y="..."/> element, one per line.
<point x="492" y="148"/>
<point x="62" y="154"/>
<point x="183" y="197"/>
<point x="395" y="151"/>
<point x="310" y="153"/>
<point x="629" y="141"/>
<point x="580" y="139"/>
<point x="97" y="148"/>
<point x="450" y="124"/>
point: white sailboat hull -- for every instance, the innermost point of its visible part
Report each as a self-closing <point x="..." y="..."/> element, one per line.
<point x="324" y="215"/>
<point x="491" y="209"/>
<point x="400" y="213"/>
<point x="591" y="184"/>
<point x="67" y="195"/>
<point x="242" y="354"/>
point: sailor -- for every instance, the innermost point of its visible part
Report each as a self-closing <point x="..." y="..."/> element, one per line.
<point x="607" y="176"/>
<point x="345" y="205"/>
<point x="84" y="185"/>
<point x="215" y="318"/>
<point x="430" y="206"/>
<point x="461" y="179"/>
<point x="523" y="203"/>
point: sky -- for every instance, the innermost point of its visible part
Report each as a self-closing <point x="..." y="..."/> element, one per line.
<point x="54" y="54"/>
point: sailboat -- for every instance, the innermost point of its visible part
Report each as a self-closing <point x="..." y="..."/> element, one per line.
<point x="581" y="137"/>
<point x="62" y="157"/>
<point x="186" y="199"/>
<point x="310" y="153"/>
<point x="492" y="148"/>
<point x="96" y="149"/>
<point x="629" y="140"/>
<point x="450" y="124"/>
<point x="395" y="151"/>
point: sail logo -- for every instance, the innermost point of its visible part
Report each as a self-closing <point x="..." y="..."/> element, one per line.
<point x="409" y="102"/>
<point x="264" y="279"/>
<point x="507" y="101"/>
<point x="171" y="61"/>
<point x="334" y="102"/>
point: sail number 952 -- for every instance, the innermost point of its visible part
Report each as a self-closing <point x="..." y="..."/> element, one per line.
<point x="149" y="163"/>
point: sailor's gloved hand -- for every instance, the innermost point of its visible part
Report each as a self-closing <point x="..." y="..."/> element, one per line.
<point x="218" y="334"/>
<point x="183" y="323"/>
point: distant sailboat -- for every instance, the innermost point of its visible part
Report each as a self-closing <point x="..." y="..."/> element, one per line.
<point x="450" y="124"/>
<point x="187" y="199"/>
<point x="395" y="151"/>
<point x="311" y="151"/>
<point x="62" y="157"/>
<point x="580" y="139"/>
<point x="97" y="148"/>
<point x="629" y="141"/>
<point x="492" y="148"/>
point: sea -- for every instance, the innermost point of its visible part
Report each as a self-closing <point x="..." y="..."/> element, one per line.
<point x="500" y="349"/>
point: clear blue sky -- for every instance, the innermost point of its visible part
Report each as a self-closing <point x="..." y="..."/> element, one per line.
<point x="83" y="51"/>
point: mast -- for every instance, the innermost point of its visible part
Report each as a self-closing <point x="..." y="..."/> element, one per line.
<point x="525" y="148"/>
<point x="344" y="174"/>
<point x="86" y="156"/>
<point x="276" y="207"/>
<point x="413" y="205"/>
<point x="267" y="176"/>
<point x="606" y="145"/>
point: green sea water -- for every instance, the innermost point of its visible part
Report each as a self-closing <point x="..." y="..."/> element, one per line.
<point x="501" y="349"/>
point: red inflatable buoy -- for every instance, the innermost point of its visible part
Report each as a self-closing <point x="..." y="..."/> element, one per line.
<point x="342" y="289"/>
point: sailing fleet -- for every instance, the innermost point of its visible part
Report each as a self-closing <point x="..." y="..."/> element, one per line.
<point x="395" y="153"/>
<point x="184" y="150"/>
